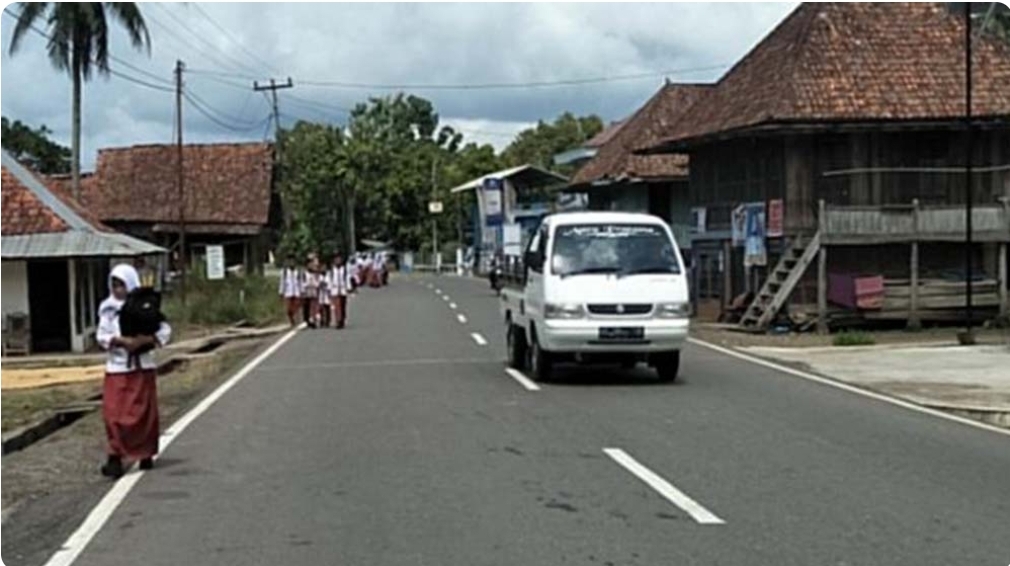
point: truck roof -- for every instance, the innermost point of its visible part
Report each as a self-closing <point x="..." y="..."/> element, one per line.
<point x="567" y="218"/>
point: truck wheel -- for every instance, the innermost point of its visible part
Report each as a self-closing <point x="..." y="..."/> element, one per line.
<point x="540" y="362"/>
<point x="667" y="366"/>
<point x="515" y="343"/>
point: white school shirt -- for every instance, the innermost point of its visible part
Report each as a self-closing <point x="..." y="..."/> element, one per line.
<point x="310" y="283"/>
<point x="340" y="280"/>
<point x="117" y="360"/>
<point x="291" y="285"/>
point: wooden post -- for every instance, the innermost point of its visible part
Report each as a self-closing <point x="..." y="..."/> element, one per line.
<point x="914" y="321"/>
<point x="727" y="275"/>
<point x="1001" y="277"/>
<point x="822" y="275"/>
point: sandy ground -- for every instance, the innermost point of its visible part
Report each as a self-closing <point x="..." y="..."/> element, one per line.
<point x="49" y="486"/>
<point x="14" y="379"/>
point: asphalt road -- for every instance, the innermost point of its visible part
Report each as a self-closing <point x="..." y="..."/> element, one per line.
<point x="401" y="440"/>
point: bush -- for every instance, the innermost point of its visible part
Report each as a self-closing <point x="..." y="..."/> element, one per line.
<point x="252" y="299"/>
<point x="853" y="338"/>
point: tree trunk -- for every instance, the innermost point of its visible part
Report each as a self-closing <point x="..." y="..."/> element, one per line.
<point x="352" y="240"/>
<point x="75" y="130"/>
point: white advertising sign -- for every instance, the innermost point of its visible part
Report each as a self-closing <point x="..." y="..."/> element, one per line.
<point x="215" y="262"/>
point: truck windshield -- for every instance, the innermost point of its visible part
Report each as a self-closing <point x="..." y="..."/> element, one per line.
<point x="624" y="249"/>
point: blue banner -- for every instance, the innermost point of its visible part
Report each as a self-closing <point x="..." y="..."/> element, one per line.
<point x="493" y="211"/>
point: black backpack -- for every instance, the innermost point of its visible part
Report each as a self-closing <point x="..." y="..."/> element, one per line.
<point x="141" y="315"/>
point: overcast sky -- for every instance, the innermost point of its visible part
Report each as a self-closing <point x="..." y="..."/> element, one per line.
<point x="377" y="45"/>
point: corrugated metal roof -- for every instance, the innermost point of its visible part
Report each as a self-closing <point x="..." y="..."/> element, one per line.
<point x="81" y="239"/>
<point x="546" y="176"/>
<point x="74" y="243"/>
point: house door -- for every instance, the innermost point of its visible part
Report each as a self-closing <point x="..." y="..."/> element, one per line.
<point x="49" y="305"/>
<point x="659" y="201"/>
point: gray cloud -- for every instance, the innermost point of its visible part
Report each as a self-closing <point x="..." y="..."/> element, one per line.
<point x="384" y="43"/>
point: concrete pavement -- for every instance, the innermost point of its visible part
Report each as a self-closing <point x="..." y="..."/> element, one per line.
<point x="401" y="440"/>
<point x="958" y="378"/>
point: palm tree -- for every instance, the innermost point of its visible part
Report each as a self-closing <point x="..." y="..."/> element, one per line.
<point x="79" y="44"/>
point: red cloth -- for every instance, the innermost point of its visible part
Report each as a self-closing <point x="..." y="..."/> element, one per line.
<point x="340" y="310"/>
<point x="130" y="411"/>
<point x="293" y="304"/>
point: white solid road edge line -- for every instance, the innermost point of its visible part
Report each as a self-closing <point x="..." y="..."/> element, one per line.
<point x="850" y="388"/>
<point x="478" y="339"/>
<point x="522" y="379"/>
<point x="461" y="318"/>
<point x="77" y="541"/>
<point x="664" y="488"/>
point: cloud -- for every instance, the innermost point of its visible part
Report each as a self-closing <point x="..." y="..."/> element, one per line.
<point x="382" y="44"/>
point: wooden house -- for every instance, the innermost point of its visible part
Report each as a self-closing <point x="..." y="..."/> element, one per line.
<point x="617" y="178"/>
<point x="846" y="125"/>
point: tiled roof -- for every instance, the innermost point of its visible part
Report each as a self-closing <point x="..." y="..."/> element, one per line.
<point x="223" y="184"/>
<point x="89" y="190"/>
<point x="605" y="134"/>
<point x="615" y="160"/>
<point x="24" y="212"/>
<point x="839" y="62"/>
<point x="39" y="222"/>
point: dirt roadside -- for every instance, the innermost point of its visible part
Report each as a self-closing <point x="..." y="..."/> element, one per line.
<point x="49" y="487"/>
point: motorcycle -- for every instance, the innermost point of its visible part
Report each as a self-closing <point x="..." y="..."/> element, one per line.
<point x="495" y="277"/>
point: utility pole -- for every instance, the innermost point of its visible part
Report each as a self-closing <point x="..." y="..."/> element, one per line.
<point x="434" y="222"/>
<point x="180" y="178"/>
<point x="968" y="336"/>
<point x="273" y="87"/>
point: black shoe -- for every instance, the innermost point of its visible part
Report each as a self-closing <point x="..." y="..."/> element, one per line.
<point x="146" y="464"/>
<point x="113" y="468"/>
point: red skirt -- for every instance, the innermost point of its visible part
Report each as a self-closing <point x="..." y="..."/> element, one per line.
<point x="130" y="411"/>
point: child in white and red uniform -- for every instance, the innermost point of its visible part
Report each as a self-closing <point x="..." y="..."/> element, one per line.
<point x="129" y="391"/>
<point x="290" y="288"/>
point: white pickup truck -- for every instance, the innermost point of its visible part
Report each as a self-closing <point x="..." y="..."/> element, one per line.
<point x="602" y="287"/>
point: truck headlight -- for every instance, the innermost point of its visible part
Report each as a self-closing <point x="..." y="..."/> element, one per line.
<point x="563" y="310"/>
<point x="673" y="310"/>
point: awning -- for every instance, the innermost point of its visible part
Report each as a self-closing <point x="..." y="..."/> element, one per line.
<point x="528" y="175"/>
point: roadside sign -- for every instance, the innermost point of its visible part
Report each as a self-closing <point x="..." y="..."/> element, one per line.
<point x="435" y="207"/>
<point x="215" y="262"/>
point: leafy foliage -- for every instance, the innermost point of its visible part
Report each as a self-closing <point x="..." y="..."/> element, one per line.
<point x="539" y="145"/>
<point x="34" y="148"/>
<point x="78" y="43"/>
<point x="373" y="179"/>
<point x="853" y="338"/>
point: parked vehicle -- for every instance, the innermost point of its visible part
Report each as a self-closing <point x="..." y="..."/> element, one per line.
<point x="598" y="287"/>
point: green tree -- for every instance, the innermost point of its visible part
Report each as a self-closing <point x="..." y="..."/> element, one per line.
<point x="539" y="145"/>
<point x="996" y="18"/>
<point x="393" y="145"/>
<point x="79" y="44"/>
<point x="313" y="180"/>
<point x="33" y="147"/>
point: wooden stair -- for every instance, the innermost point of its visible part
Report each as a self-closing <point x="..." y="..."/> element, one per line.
<point x="780" y="283"/>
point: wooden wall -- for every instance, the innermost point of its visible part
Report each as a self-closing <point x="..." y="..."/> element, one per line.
<point x="729" y="172"/>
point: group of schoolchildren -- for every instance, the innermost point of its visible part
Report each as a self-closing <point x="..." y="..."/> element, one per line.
<point x="320" y="291"/>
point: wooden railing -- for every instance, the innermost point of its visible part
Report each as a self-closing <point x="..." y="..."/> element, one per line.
<point x="905" y="223"/>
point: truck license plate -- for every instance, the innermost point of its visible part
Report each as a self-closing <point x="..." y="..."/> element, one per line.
<point x="622" y="333"/>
